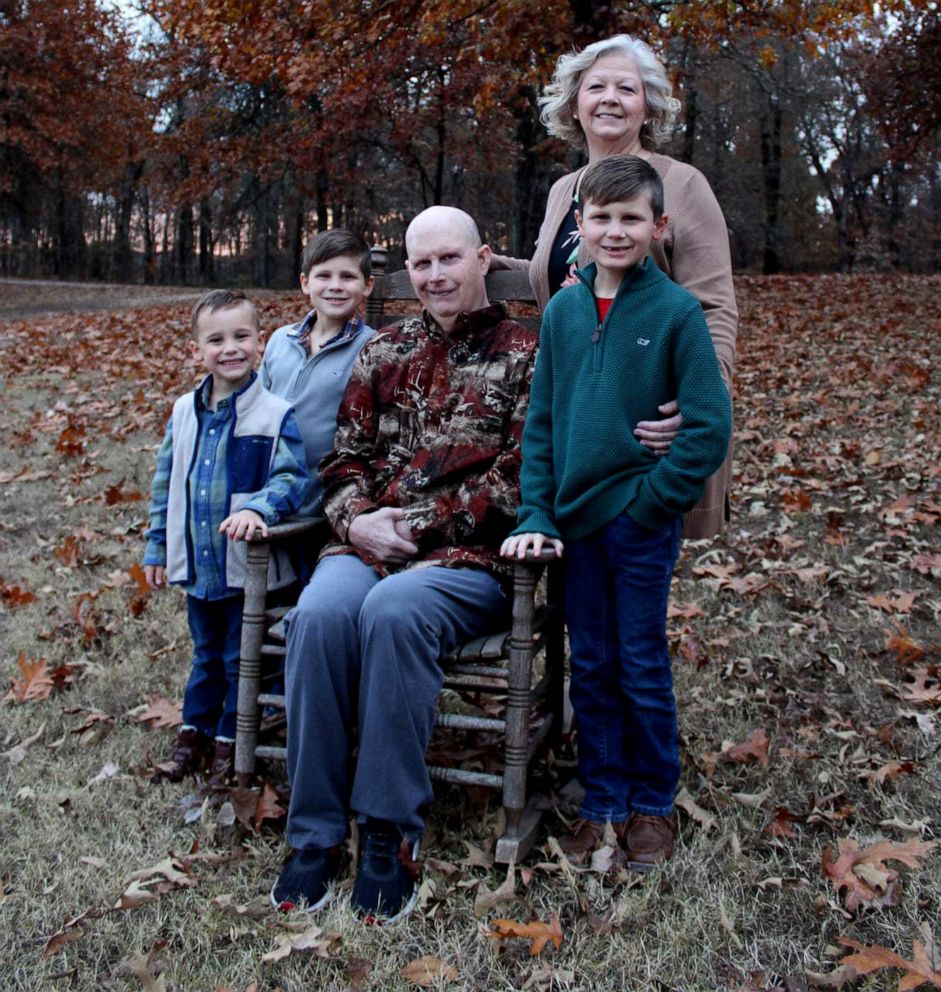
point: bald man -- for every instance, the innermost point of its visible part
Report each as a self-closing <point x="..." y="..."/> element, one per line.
<point x="421" y="489"/>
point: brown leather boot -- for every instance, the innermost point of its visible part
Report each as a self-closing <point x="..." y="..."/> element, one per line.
<point x="186" y="758"/>
<point x="584" y="838"/>
<point x="648" y="840"/>
<point x="221" y="764"/>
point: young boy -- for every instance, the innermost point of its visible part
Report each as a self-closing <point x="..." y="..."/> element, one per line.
<point x="614" y="346"/>
<point x="309" y="363"/>
<point x="231" y="463"/>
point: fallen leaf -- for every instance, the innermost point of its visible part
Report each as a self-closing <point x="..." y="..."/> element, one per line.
<point x="754" y="749"/>
<point x="686" y="803"/>
<point x="903" y="603"/>
<point x="486" y="899"/>
<point x="538" y="932"/>
<point x="428" y="971"/>
<point x="357" y="972"/>
<point x="873" y="957"/>
<point x="108" y="770"/>
<point x="308" y="940"/>
<point x="16" y="754"/>
<point x="37" y="682"/>
<point x="860" y="873"/>
<point x="161" y="712"/>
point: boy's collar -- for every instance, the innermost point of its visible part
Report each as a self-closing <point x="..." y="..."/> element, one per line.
<point x="204" y="390"/>
<point x="303" y="329"/>
<point x="588" y="273"/>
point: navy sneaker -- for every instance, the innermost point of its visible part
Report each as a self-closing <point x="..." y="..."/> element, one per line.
<point x="306" y="877"/>
<point x="386" y="880"/>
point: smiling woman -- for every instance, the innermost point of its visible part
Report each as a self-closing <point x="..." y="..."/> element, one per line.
<point x="614" y="98"/>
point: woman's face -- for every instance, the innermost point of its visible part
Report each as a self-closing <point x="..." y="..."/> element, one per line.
<point x="611" y="105"/>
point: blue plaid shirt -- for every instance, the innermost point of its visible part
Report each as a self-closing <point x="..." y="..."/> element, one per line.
<point x="209" y="495"/>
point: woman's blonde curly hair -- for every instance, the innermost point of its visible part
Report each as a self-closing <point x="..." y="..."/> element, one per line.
<point x="560" y="95"/>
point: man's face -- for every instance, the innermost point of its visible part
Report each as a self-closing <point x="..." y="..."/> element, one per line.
<point x="446" y="269"/>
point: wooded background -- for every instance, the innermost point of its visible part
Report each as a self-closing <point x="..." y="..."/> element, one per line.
<point x="203" y="141"/>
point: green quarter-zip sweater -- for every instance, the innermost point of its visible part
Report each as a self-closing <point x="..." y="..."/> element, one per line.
<point x="582" y="465"/>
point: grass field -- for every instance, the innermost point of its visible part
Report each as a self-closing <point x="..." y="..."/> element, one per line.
<point x="807" y="657"/>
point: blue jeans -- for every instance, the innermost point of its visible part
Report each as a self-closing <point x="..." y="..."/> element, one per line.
<point x="211" y="695"/>
<point x="617" y="583"/>
<point x="364" y="649"/>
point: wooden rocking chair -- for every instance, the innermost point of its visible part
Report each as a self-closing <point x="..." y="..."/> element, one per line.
<point x="500" y="664"/>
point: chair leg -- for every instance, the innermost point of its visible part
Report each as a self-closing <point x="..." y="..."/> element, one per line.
<point x="253" y="632"/>
<point x="520" y="825"/>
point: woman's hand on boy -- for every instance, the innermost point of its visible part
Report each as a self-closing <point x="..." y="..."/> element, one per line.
<point x="243" y="526"/>
<point x="155" y="576"/>
<point x="658" y="435"/>
<point x="517" y="545"/>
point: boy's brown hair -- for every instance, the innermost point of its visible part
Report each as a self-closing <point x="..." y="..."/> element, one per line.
<point x="220" y="299"/>
<point x="622" y="177"/>
<point x="331" y="244"/>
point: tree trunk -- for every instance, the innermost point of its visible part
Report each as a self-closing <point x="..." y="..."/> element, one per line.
<point x="206" y="260"/>
<point x="771" y="127"/>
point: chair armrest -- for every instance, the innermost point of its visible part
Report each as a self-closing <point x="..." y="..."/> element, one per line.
<point x="291" y="528"/>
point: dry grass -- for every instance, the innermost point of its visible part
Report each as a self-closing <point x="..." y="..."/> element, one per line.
<point x="794" y="652"/>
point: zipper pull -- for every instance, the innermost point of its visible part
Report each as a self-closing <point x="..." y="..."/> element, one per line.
<point x="596" y="335"/>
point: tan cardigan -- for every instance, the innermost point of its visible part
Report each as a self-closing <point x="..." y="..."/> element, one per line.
<point x="694" y="253"/>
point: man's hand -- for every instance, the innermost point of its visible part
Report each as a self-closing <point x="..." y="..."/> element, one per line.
<point x="658" y="435"/>
<point x="155" y="576"/>
<point x="243" y="526"/>
<point x="519" y="544"/>
<point x="384" y="534"/>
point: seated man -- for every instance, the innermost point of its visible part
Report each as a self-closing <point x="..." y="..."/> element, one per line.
<point x="421" y="489"/>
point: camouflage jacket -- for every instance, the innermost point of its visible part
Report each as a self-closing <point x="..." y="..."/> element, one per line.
<point x="432" y="423"/>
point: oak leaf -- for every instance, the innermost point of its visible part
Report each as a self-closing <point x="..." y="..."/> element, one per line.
<point x="920" y="971"/>
<point x="37" y="683"/>
<point x="906" y="650"/>
<point x="428" y="971"/>
<point x="14" y="596"/>
<point x="861" y="874"/>
<point x="162" y="712"/>
<point x="538" y="932"/>
<point x="903" y="603"/>
<point x="754" y="749"/>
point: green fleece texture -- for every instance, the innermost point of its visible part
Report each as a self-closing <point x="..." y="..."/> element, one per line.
<point x="582" y="465"/>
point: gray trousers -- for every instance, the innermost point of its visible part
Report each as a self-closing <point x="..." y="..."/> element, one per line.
<point x="364" y="649"/>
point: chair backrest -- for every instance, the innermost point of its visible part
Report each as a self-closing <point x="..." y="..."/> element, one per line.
<point x="510" y="286"/>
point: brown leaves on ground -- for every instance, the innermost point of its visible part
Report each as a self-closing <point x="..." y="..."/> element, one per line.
<point x="38" y="680"/>
<point x="14" y="596"/>
<point x="428" y="972"/>
<point x="309" y="939"/>
<point x="923" y="970"/>
<point x="160" y="712"/>
<point x="538" y="932"/>
<point x="862" y="875"/>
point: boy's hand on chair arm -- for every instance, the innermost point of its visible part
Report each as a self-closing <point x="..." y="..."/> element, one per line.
<point x="517" y="545"/>
<point x="243" y="526"/>
<point x="155" y="576"/>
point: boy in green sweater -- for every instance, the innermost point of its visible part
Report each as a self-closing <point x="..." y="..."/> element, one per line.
<point x="614" y="346"/>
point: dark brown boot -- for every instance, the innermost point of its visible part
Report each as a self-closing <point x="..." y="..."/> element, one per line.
<point x="221" y="764"/>
<point x="186" y="758"/>
<point x="648" y="840"/>
<point x="584" y="838"/>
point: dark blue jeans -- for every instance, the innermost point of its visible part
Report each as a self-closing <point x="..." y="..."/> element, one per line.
<point x="617" y="583"/>
<point x="211" y="695"/>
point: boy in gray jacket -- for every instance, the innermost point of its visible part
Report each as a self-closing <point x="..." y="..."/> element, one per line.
<point x="309" y="363"/>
